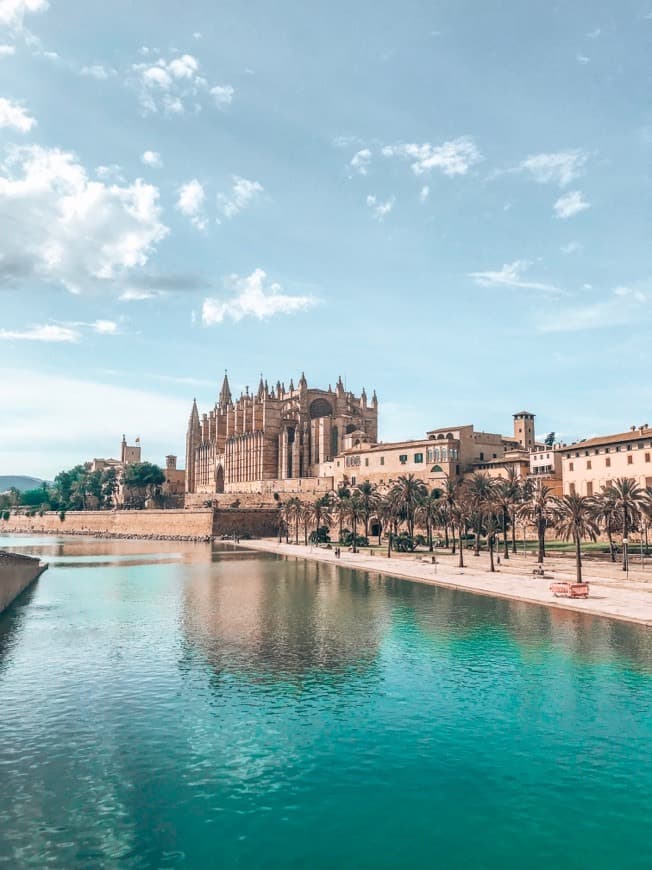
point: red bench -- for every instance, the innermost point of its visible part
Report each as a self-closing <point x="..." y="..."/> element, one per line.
<point x="569" y="590"/>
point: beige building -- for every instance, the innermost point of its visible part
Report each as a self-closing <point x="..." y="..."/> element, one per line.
<point x="452" y="451"/>
<point x="590" y="465"/>
<point x="274" y="440"/>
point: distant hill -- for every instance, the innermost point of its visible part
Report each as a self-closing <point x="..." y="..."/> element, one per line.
<point x="20" y="481"/>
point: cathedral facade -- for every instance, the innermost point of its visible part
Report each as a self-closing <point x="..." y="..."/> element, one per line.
<point x="275" y="434"/>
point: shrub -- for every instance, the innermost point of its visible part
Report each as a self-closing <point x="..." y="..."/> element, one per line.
<point x="320" y="536"/>
<point x="276" y="496"/>
<point x="403" y="543"/>
<point x="346" y="539"/>
<point x="62" y="515"/>
<point x="5" y="515"/>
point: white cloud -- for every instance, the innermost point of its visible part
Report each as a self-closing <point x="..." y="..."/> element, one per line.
<point x="222" y="95"/>
<point x="68" y="333"/>
<point x="512" y="275"/>
<point x="59" y="226"/>
<point x="455" y="157"/>
<point x="135" y="295"/>
<point x="583" y="59"/>
<point x="593" y="34"/>
<point x="624" y="306"/>
<point x="112" y="172"/>
<point x="13" y="12"/>
<point x="571" y="248"/>
<point x="242" y="194"/>
<point x="380" y="209"/>
<point x="14" y="116"/>
<point x="252" y="297"/>
<point x="151" y="159"/>
<point x="558" y="167"/>
<point x="191" y="203"/>
<point x="50" y="332"/>
<point x="570" y="204"/>
<point x="360" y="161"/>
<point x="196" y="35"/>
<point x="7" y="50"/>
<point x="173" y="86"/>
<point x="90" y="410"/>
<point x="98" y="71"/>
<point x="424" y="193"/>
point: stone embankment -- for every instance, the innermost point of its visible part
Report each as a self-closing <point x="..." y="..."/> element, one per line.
<point x="168" y="525"/>
<point x="17" y="572"/>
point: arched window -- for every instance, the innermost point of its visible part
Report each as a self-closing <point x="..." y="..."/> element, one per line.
<point x="436" y="468"/>
<point x="320" y="408"/>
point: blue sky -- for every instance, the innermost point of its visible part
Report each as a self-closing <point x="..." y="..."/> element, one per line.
<point x="447" y="201"/>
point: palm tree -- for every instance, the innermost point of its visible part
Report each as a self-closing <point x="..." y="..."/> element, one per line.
<point x="320" y="511"/>
<point x="628" y="498"/>
<point x="481" y="491"/>
<point x="537" y="510"/>
<point x="574" y="520"/>
<point x="369" y="500"/>
<point x="339" y="501"/>
<point x="390" y="513"/>
<point x="460" y="513"/>
<point x="429" y="512"/>
<point x="408" y="492"/>
<point x="607" y="514"/>
<point x="294" y="508"/>
<point x="355" y="512"/>
<point x="284" y="519"/>
<point x="511" y="495"/>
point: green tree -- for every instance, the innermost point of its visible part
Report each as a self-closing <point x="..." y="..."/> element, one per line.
<point x="628" y="497"/>
<point x="607" y="514"/>
<point x="409" y="492"/>
<point x="481" y="493"/>
<point x="142" y="481"/>
<point x="428" y="513"/>
<point x="574" y="520"/>
<point x="538" y="509"/>
<point x="369" y="500"/>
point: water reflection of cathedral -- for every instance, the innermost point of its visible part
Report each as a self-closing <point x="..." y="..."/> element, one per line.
<point x="287" y="618"/>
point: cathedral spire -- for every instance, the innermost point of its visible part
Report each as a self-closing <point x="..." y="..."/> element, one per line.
<point x="225" y="392"/>
<point x="194" y="414"/>
<point x="261" y="387"/>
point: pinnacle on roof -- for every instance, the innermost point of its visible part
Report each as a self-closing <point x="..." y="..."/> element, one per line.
<point x="225" y="392"/>
<point x="302" y="381"/>
<point x="291" y="385"/>
<point x="261" y="387"/>
<point x="194" y="413"/>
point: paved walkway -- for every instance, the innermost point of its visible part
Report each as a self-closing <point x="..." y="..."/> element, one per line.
<point x="611" y="594"/>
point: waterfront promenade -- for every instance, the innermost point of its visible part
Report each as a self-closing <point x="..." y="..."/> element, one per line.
<point x="611" y="594"/>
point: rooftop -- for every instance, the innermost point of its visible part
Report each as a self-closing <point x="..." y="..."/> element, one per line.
<point x="619" y="438"/>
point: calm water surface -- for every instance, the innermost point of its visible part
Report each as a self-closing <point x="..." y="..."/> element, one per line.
<point x="177" y="705"/>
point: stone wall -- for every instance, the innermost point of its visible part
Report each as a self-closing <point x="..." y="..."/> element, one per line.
<point x="170" y="524"/>
<point x="16" y="574"/>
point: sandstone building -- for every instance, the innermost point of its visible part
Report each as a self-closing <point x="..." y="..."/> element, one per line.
<point x="590" y="465"/>
<point x="273" y="439"/>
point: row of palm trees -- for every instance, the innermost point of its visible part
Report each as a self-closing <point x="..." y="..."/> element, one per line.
<point x="477" y="507"/>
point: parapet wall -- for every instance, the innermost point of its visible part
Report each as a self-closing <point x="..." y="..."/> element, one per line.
<point x="203" y="523"/>
<point x="174" y="523"/>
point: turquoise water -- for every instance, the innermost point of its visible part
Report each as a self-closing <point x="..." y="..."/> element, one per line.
<point x="173" y="705"/>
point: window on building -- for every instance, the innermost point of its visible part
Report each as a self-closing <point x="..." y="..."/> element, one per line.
<point x="366" y="461"/>
<point x="403" y="458"/>
<point x="571" y="488"/>
<point x="571" y="466"/>
<point x="588" y="464"/>
<point x="630" y="460"/>
<point x="589" y="488"/>
<point x="495" y="456"/>
<point x="481" y="455"/>
<point x="647" y="457"/>
<point x="353" y="480"/>
<point x="607" y="461"/>
<point x="418" y="457"/>
<point x="382" y="460"/>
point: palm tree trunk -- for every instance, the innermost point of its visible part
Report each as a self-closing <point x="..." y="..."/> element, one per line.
<point x="490" y="542"/>
<point x="476" y="551"/>
<point x="461" y="559"/>
<point x="305" y="533"/>
<point x="296" y="529"/>
<point x="430" y="547"/>
<point x="514" y="535"/>
<point x="541" y="527"/>
<point x="625" y="537"/>
<point x="389" y="542"/>
<point x="612" y="550"/>
<point x="505" y="544"/>
<point x="454" y="539"/>
<point x="354" y="524"/>
<point x="578" y="559"/>
<point x="446" y="535"/>
<point x="380" y="532"/>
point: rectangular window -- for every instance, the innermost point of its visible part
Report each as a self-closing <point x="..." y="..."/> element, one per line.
<point x="353" y="480"/>
<point x="647" y="457"/>
<point x="588" y="464"/>
<point x="571" y="466"/>
<point x="607" y="461"/>
<point x="366" y="461"/>
<point x="382" y="460"/>
<point x="571" y="489"/>
<point x="481" y="456"/>
<point x="630" y="460"/>
<point x="418" y="457"/>
<point x="403" y="458"/>
<point x="589" y="488"/>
